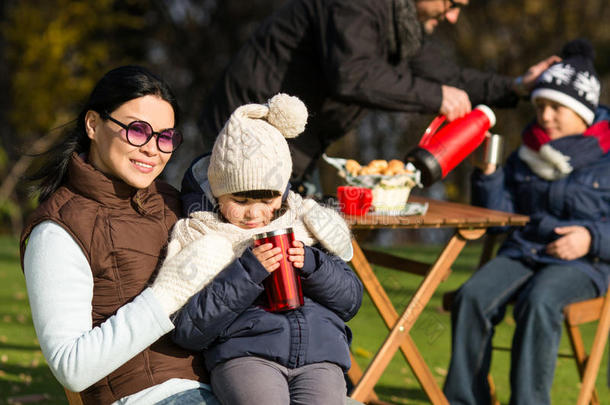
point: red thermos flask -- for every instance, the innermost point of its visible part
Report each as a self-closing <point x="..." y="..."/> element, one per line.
<point x="283" y="286"/>
<point x="440" y="150"/>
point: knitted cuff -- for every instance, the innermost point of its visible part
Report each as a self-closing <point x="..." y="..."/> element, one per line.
<point x="169" y="302"/>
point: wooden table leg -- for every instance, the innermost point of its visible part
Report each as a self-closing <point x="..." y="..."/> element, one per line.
<point x="399" y="334"/>
<point x="388" y="313"/>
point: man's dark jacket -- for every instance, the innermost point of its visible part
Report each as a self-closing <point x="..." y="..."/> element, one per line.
<point x="335" y="56"/>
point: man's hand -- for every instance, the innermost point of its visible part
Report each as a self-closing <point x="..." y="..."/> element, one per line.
<point x="524" y="84"/>
<point x="455" y="104"/>
<point x="575" y="243"/>
<point x="268" y="256"/>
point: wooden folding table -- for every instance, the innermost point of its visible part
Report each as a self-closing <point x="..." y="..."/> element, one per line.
<point x="470" y="223"/>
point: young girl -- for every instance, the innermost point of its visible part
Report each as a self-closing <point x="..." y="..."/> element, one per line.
<point x="559" y="177"/>
<point x="256" y="356"/>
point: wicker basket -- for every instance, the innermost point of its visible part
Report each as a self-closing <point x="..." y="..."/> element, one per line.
<point x="390" y="199"/>
<point x="390" y="193"/>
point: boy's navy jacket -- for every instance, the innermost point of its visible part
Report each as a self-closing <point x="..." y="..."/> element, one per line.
<point x="225" y="320"/>
<point x="581" y="198"/>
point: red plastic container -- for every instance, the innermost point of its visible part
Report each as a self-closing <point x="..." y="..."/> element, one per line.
<point x="441" y="150"/>
<point x="354" y="200"/>
<point x="283" y="286"/>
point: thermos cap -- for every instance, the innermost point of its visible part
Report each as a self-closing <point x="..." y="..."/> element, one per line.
<point x="490" y="114"/>
<point x="272" y="233"/>
<point x="427" y="164"/>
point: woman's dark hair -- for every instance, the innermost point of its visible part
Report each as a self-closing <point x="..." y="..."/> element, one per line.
<point x="118" y="86"/>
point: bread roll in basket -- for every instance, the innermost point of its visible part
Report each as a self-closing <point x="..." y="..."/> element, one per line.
<point x="390" y="181"/>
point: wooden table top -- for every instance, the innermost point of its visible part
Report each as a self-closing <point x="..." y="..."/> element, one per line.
<point x="440" y="214"/>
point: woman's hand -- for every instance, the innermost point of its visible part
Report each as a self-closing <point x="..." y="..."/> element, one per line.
<point x="575" y="242"/>
<point x="296" y="254"/>
<point x="268" y="256"/>
<point x="188" y="270"/>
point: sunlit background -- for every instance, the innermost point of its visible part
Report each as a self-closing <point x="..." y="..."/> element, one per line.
<point x="53" y="51"/>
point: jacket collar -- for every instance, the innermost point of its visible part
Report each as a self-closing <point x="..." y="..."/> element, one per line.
<point x="405" y="32"/>
<point x="552" y="159"/>
<point x="199" y="173"/>
<point x="95" y="185"/>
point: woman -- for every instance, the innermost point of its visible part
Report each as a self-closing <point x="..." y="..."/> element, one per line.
<point x="92" y="246"/>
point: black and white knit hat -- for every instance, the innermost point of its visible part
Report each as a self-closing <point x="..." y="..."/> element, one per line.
<point x="572" y="82"/>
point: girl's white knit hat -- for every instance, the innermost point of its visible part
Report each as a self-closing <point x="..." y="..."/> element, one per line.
<point x="251" y="152"/>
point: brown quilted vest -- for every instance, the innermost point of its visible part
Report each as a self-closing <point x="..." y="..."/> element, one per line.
<point x="122" y="232"/>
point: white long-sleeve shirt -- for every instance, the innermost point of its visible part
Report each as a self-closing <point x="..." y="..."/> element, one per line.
<point x="60" y="289"/>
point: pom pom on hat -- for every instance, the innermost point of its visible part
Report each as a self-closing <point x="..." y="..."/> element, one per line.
<point x="251" y="152"/>
<point x="288" y="114"/>
<point x="578" y="47"/>
<point x="572" y="82"/>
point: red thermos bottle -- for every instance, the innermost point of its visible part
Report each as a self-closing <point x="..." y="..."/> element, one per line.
<point x="283" y="286"/>
<point x="440" y="150"/>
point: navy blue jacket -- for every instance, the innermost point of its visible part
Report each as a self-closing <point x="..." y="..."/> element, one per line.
<point x="581" y="198"/>
<point x="225" y="320"/>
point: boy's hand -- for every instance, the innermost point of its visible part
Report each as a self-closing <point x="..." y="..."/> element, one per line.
<point x="486" y="168"/>
<point x="574" y="243"/>
<point x="268" y="256"/>
<point x="296" y="254"/>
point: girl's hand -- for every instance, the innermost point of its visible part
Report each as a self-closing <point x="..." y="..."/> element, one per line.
<point x="268" y="256"/>
<point x="575" y="243"/>
<point x="296" y="254"/>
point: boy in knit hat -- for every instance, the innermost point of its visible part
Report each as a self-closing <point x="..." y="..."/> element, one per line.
<point x="256" y="356"/>
<point x="559" y="178"/>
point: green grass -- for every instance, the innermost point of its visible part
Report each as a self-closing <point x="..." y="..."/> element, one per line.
<point x="25" y="376"/>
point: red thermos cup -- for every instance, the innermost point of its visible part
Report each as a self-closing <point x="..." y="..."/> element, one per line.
<point x="440" y="150"/>
<point x="283" y="286"/>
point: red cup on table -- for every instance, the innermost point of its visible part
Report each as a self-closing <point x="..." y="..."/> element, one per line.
<point x="354" y="200"/>
<point x="283" y="286"/>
